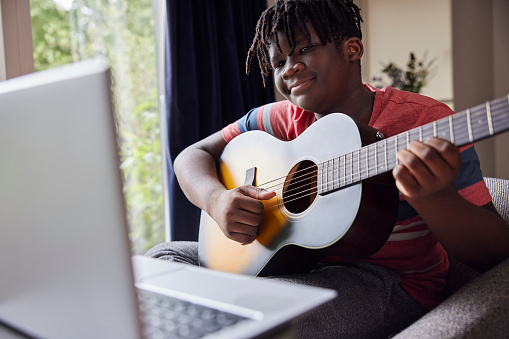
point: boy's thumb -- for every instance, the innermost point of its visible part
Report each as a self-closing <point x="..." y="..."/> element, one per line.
<point x="257" y="192"/>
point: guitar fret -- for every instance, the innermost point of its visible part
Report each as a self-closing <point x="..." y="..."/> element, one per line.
<point x="396" y="150"/>
<point x="412" y="135"/>
<point x="318" y="179"/>
<point x="490" y="122"/>
<point x="329" y="177"/>
<point x="335" y="172"/>
<point x="469" y="125"/>
<point x="326" y="174"/>
<point x="451" y="132"/>
<point x="385" y="153"/>
<point x="326" y="184"/>
<point x="434" y="128"/>
<point x="338" y="171"/>
<point x="359" y="165"/>
<point x="345" y="173"/>
<point x="351" y="168"/>
<point x="367" y="163"/>
<point x="330" y="174"/>
<point x="344" y="170"/>
<point x="324" y="177"/>
<point x="376" y="161"/>
<point x="407" y="139"/>
<point x="443" y="129"/>
<point x="354" y="164"/>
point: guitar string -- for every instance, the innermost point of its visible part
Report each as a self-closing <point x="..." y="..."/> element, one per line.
<point x="362" y="159"/>
<point x="349" y="163"/>
<point x="358" y="175"/>
<point x="304" y="193"/>
<point x="355" y="173"/>
<point x="298" y="195"/>
<point x="338" y="180"/>
<point x="473" y="116"/>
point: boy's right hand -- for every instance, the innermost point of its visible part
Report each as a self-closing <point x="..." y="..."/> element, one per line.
<point x="238" y="212"/>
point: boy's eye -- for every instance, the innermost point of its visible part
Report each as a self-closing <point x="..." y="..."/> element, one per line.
<point x="306" y="48"/>
<point x="278" y="64"/>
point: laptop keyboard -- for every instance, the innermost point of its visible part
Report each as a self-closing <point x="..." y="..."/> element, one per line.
<point x="167" y="317"/>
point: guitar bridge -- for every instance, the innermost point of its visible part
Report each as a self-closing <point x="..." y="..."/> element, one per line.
<point x="250" y="177"/>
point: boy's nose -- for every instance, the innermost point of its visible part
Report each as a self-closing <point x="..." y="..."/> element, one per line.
<point x="292" y="68"/>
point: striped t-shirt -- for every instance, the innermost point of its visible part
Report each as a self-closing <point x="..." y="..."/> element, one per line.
<point x="411" y="250"/>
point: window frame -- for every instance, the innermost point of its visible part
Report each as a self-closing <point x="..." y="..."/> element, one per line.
<point x="16" y="50"/>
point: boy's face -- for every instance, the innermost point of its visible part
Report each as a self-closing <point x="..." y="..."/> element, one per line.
<point x="314" y="77"/>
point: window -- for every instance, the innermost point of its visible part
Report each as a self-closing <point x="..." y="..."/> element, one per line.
<point x="66" y="31"/>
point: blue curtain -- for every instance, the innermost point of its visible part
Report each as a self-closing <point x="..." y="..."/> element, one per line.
<point x="206" y="84"/>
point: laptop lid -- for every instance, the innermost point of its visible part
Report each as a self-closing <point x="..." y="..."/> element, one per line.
<point x="63" y="230"/>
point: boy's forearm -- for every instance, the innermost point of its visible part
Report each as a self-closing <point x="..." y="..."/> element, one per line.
<point x="475" y="235"/>
<point x="195" y="169"/>
<point x="197" y="176"/>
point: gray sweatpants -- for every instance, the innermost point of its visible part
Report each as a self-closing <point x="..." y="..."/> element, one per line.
<point x="370" y="301"/>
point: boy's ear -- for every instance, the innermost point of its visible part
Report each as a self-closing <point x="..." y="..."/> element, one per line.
<point x="354" y="48"/>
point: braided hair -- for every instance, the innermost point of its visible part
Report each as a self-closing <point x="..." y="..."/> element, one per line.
<point x="333" y="20"/>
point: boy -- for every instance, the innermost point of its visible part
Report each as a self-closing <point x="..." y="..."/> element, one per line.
<point x="314" y="49"/>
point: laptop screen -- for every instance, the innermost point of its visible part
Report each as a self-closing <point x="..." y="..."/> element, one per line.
<point x="64" y="239"/>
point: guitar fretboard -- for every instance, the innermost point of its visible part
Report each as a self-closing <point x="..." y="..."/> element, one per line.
<point x="462" y="128"/>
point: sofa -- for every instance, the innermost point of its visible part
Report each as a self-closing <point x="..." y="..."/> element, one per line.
<point x="476" y="305"/>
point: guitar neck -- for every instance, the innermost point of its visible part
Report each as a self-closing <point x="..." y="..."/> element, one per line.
<point x="474" y="124"/>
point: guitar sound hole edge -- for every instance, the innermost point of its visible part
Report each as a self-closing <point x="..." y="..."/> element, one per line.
<point x="300" y="187"/>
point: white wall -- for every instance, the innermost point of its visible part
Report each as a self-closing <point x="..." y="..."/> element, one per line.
<point x="394" y="28"/>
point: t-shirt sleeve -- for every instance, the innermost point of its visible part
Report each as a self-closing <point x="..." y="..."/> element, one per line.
<point x="470" y="182"/>
<point x="277" y="118"/>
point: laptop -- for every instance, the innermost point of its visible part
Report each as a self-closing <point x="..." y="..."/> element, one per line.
<point x="65" y="260"/>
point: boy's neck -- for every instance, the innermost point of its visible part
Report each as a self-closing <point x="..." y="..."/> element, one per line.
<point x="358" y="106"/>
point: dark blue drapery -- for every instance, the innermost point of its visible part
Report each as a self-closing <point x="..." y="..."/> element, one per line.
<point x="206" y="85"/>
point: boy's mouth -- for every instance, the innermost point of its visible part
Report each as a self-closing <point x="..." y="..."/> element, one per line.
<point x="300" y="86"/>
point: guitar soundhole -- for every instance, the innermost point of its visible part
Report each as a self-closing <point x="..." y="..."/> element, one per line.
<point x="299" y="190"/>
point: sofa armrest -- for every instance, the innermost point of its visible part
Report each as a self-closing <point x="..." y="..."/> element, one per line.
<point x="478" y="310"/>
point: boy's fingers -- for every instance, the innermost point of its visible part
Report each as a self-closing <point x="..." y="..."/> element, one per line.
<point x="436" y="156"/>
<point x="447" y="151"/>
<point x="405" y="180"/>
<point x="256" y="192"/>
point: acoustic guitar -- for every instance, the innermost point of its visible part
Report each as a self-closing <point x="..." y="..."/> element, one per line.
<point x="335" y="191"/>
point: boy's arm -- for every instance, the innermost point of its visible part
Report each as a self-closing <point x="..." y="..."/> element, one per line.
<point x="238" y="211"/>
<point x="477" y="236"/>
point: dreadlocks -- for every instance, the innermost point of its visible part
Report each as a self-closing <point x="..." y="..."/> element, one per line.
<point x="333" y="20"/>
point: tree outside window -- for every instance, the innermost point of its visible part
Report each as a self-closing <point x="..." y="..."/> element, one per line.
<point x="66" y="31"/>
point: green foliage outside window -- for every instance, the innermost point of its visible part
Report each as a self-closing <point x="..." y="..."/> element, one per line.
<point x="123" y="31"/>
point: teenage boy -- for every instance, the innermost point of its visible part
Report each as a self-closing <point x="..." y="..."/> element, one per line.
<point x="314" y="49"/>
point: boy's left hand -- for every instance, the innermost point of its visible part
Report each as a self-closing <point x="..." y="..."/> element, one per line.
<point x="427" y="168"/>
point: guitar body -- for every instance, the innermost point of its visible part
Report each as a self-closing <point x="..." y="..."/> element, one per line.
<point x="295" y="234"/>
